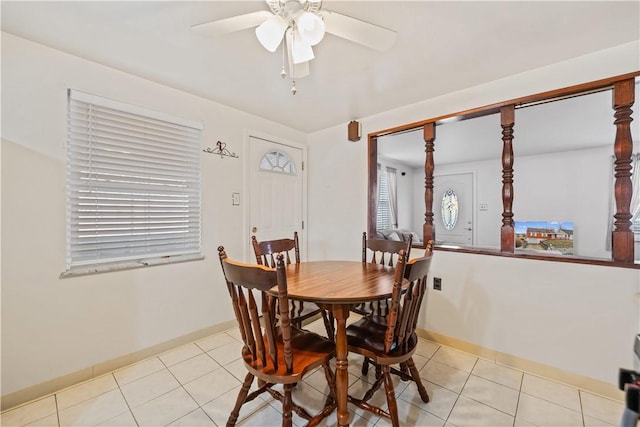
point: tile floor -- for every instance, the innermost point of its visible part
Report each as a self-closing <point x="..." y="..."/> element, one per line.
<point x="196" y="385"/>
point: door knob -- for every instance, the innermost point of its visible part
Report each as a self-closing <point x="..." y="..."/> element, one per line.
<point x="254" y="229"/>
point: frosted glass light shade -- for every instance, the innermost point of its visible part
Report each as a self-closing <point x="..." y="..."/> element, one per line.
<point x="301" y="51"/>
<point x="311" y="27"/>
<point x="270" y="32"/>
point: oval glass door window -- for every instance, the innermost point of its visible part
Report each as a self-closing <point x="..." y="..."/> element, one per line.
<point x="449" y="209"/>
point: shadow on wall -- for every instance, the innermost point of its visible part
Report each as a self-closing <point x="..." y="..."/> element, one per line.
<point x="459" y="312"/>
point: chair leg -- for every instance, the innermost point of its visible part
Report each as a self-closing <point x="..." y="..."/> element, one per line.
<point x="287" y="405"/>
<point x="365" y="366"/>
<point x="416" y="378"/>
<point x="242" y="395"/>
<point x="327" y="318"/>
<point x="392" y="405"/>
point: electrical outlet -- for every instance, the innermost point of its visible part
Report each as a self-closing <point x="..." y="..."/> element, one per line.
<point x="437" y="283"/>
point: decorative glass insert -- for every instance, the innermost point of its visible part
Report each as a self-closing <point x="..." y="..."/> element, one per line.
<point x="277" y="161"/>
<point x="449" y="209"/>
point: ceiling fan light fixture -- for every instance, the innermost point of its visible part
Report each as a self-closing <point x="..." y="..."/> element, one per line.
<point x="301" y="51"/>
<point x="270" y="32"/>
<point x="310" y="27"/>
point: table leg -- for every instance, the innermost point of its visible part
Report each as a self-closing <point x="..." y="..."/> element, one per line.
<point x="341" y="313"/>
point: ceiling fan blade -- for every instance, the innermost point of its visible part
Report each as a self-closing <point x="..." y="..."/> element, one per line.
<point x="355" y="30"/>
<point x="229" y="25"/>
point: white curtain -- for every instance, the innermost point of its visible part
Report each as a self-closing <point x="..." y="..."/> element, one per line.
<point x="634" y="207"/>
<point x="393" y="196"/>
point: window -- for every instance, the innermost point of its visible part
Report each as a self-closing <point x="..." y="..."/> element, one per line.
<point x="387" y="203"/>
<point x="276" y="161"/>
<point x="133" y="185"/>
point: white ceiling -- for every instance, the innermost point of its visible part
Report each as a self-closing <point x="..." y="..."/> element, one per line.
<point x="440" y="47"/>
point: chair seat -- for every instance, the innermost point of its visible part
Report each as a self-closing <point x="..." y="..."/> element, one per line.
<point x="310" y="351"/>
<point x="366" y="336"/>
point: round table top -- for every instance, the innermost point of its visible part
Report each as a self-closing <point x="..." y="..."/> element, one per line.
<point x="334" y="282"/>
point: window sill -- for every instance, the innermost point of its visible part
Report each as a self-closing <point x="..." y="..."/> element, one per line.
<point x="128" y="265"/>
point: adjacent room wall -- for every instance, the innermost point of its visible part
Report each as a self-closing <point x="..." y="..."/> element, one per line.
<point x="577" y="318"/>
<point x="52" y="327"/>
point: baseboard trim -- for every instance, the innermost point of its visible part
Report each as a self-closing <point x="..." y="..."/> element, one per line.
<point x="588" y="384"/>
<point x="46" y="388"/>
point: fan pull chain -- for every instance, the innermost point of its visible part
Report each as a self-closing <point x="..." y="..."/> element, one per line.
<point x="293" y="66"/>
<point x="283" y="73"/>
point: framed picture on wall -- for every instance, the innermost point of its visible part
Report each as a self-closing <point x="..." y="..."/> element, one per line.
<point x="552" y="237"/>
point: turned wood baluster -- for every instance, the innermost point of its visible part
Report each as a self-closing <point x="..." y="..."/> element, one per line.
<point x="507" y="236"/>
<point x="373" y="186"/>
<point x="428" y="230"/>
<point x="622" y="236"/>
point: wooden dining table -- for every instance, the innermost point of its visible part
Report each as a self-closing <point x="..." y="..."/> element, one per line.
<point x="338" y="286"/>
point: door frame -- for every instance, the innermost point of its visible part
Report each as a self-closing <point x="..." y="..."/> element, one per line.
<point x="474" y="189"/>
<point x="246" y="189"/>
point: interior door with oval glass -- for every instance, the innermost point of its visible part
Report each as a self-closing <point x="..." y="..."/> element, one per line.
<point x="453" y="208"/>
<point x="275" y="186"/>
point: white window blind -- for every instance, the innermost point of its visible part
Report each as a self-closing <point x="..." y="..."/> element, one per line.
<point x="383" y="217"/>
<point x="133" y="183"/>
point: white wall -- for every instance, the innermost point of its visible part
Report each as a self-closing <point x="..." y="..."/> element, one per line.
<point x="579" y="318"/>
<point x="566" y="186"/>
<point x="51" y="326"/>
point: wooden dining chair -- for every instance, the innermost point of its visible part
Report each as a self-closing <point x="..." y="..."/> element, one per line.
<point x="384" y="252"/>
<point x="265" y="253"/>
<point x="275" y="352"/>
<point x="393" y="341"/>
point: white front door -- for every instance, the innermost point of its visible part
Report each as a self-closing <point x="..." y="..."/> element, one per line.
<point x="276" y="190"/>
<point x="453" y="208"/>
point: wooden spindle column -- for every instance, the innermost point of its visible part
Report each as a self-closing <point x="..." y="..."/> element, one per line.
<point x="428" y="230"/>
<point x="373" y="186"/>
<point x="622" y="236"/>
<point x="507" y="234"/>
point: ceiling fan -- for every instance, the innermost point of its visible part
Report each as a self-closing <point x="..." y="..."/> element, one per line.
<point x="301" y="24"/>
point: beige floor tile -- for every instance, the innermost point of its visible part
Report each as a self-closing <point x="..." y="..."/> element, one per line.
<point x="94" y="411"/>
<point x="306" y="396"/>
<point x="441" y="400"/>
<point x="50" y="421"/>
<point x="220" y="408"/>
<point x="227" y="353"/>
<point x="468" y="412"/>
<point x="607" y="410"/>
<point x="193" y="368"/>
<point x="211" y="385"/>
<point x="180" y="354"/>
<point x="215" y="341"/>
<point x="85" y="391"/>
<point x="419" y="361"/>
<point x="491" y="394"/>
<point x="165" y="409"/>
<point x="508" y="377"/>
<point x="444" y="375"/>
<point x="141" y="369"/>
<point x="29" y="413"/>
<point x="266" y="416"/>
<point x="317" y="380"/>
<point x="123" y="420"/>
<point x="544" y="413"/>
<point x="149" y="387"/>
<point x="551" y="391"/>
<point x="455" y="359"/>
<point x="197" y="418"/>
<point x="594" y="422"/>
<point x="411" y="415"/>
<point x="426" y="348"/>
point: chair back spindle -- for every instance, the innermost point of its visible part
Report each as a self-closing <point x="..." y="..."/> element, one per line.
<point x="402" y="318"/>
<point x="241" y="280"/>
